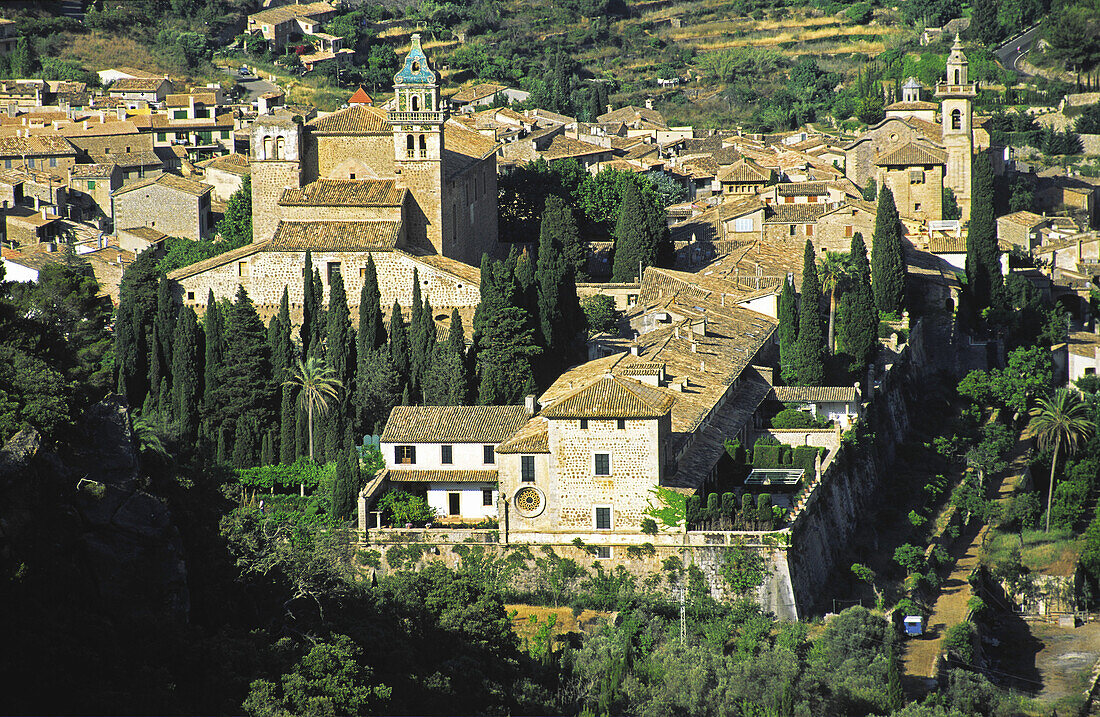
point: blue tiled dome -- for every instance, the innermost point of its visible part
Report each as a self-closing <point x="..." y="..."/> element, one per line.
<point x="416" y="70"/>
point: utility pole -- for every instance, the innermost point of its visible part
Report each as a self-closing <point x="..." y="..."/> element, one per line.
<point x="683" y="618"/>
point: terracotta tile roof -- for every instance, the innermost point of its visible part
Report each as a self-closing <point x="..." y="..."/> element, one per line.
<point x="171" y="181"/>
<point x="396" y="475"/>
<point x="183" y="99"/>
<point x="814" y="394"/>
<point x="279" y="15"/>
<point x="562" y="147"/>
<point x="35" y="145"/>
<point x="345" y="193"/>
<point x="470" y="274"/>
<point x="137" y="84"/>
<point x="911" y="106"/>
<point x="1024" y="219"/>
<point x="802" y="189"/>
<point x="92" y="171"/>
<point x="140" y="158"/>
<point x="630" y="113"/>
<point x="134" y="72"/>
<point x="910" y="154"/>
<point x="239" y="164"/>
<point x="795" y="213"/>
<point x="946" y="244"/>
<point x="360" y="97"/>
<point x="1083" y="343"/>
<point x="701" y="167"/>
<point x="476" y="92"/>
<point x="216" y="261"/>
<point x="357" y="119"/>
<point x="149" y="234"/>
<point x="76" y="130"/>
<point x="453" y="424"/>
<point x="335" y="236"/>
<point x="931" y="130"/>
<point x="744" y="170"/>
<point x="611" y="396"/>
<point x="534" y="437"/>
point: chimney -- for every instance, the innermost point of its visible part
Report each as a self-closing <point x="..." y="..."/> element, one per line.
<point x="634" y="349"/>
<point x="120" y="113"/>
<point x="610" y="109"/>
<point x="702" y="366"/>
<point x="694" y="347"/>
<point x="44" y="217"/>
<point x="649" y="103"/>
<point x="530" y="404"/>
<point x="37" y="203"/>
<point x="84" y="125"/>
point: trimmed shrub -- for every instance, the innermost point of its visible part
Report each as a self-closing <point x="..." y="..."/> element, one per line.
<point x="729" y="506"/>
<point x="959" y="640"/>
<point x="767" y="456"/>
<point x="805" y="457"/>
<point x="694" y="509"/>
<point x="792" y="418"/>
<point x="713" y="506"/>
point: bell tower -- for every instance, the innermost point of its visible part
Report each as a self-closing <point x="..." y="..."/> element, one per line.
<point x="956" y="112"/>
<point x="276" y="145"/>
<point x="416" y="120"/>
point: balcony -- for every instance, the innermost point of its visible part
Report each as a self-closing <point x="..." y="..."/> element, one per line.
<point x="967" y="90"/>
<point x="414" y="117"/>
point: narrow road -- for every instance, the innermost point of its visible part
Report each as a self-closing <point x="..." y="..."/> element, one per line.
<point x="952" y="603"/>
<point x="1010" y="53"/>
<point x="254" y="86"/>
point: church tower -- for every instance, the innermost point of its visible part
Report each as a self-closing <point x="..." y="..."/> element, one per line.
<point x="416" y="120"/>
<point x="956" y="113"/>
<point x="276" y="146"/>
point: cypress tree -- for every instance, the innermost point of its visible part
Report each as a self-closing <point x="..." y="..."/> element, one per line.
<point x="156" y="368"/>
<point x="245" y="387"/>
<point x="788" y="331"/>
<point x="399" y="343"/>
<point x="372" y="332"/>
<point x="244" y="442"/>
<point x="301" y="434"/>
<point x="339" y="338"/>
<point x="136" y="311"/>
<point x="559" y="309"/>
<point x="635" y="242"/>
<point x="288" y="444"/>
<point x="267" y="451"/>
<point x="887" y="256"/>
<point x="309" y="310"/>
<point x="317" y="328"/>
<point x="220" y="452"/>
<point x="858" y="335"/>
<point x="351" y="448"/>
<point x="983" y="265"/>
<point x="527" y="294"/>
<point x="166" y="326"/>
<point x="185" y="373"/>
<point x="342" y="496"/>
<point x="417" y="361"/>
<point x="164" y="405"/>
<point x="808" y="361"/>
<point x="379" y="391"/>
<point x="558" y="221"/>
<point x="505" y="360"/>
<point x="214" y="326"/>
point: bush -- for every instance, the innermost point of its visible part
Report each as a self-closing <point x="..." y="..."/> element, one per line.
<point x="792" y="418"/>
<point x="767" y="456"/>
<point x="959" y="641"/>
<point x="805" y="457"/>
<point x="399" y="507"/>
<point x="600" y="312"/>
<point x="860" y="13"/>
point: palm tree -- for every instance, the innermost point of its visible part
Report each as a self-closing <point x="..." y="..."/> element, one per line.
<point x="1058" y="420"/>
<point x="317" y="387"/>
<point x="831" y="270"/>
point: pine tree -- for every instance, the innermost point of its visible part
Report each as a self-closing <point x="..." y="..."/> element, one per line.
<point x="983" y="264"/>
<point x="372" y="332"/>
<point x="887" y="256"/>
<point x="858" y="333"/>
<point x="214" y="326"/>
<point x="185" y="374"/>
<point x="636" y="245"/>
<point x="788" y="331"/>
<point x="245" y="388"/>
<point x="808" y="361"/>
<point x="399" y="343"/>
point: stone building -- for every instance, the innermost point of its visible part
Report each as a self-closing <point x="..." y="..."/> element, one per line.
<point x="917" y="157"/>
<point x="171" y="204"/>
<point x="90" y="188"/>
<point x="448" y="454"/>
<point x="409" y="185"/>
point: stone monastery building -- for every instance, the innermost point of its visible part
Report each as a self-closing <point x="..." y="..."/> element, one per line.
<point x="408" y="185"/>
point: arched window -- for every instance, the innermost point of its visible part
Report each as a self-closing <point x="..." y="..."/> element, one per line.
<point x="411" y="146"/>
<point x="269" y="144"/>
<point x="956" y="119"/>
<point x="423" y="147"/>
<point x="280" y="148"/>
<point x="416" y="103"/>
<point x="958" y="76"/>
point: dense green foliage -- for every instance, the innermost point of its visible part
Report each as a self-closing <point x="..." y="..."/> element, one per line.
<point x="888" y="266"/>
<point x="808" y="359"/>
<point x="856" y="336"/>
<point x="983" y="267"/>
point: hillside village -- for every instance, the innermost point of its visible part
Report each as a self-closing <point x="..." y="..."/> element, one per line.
<point x="779" y="373"/>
